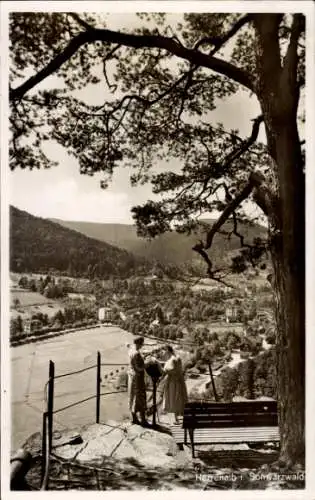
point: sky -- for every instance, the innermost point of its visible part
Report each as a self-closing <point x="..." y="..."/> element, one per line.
<point x="61" y="192"/>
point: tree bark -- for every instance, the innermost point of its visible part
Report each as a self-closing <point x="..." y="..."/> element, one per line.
<point x="278" y="93"/>
<point x="290" y="359"/>
<point x="288" y="255"/>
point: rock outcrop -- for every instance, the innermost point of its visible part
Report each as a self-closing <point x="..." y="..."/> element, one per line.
<point x="123" y="456"/>
<point x="121" y="441"/>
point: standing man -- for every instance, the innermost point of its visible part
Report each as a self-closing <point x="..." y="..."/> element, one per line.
<point x="136" y="383"/>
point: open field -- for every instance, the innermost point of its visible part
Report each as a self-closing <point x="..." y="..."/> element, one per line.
<point x="27" y="312"/>
<point x="30" y="303"/>
<point x="27" y="298"/>
<point x="236" y="280"/>
<point x="220" y="326"/>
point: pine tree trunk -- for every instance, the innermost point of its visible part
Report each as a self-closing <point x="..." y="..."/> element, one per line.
<point x="288" y="255"/>
<point x="290" y="360"/>
<point x="278" y="93"/>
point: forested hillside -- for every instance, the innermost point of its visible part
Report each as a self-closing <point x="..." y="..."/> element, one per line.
<point x="169" y="247"/>
<point x="40" y="245"/>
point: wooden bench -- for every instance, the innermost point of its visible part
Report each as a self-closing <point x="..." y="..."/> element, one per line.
<point x="217" y="423"/>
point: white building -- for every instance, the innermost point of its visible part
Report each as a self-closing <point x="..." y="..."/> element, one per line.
<point x="105" y="314"/>
<point x="231" y="313"/>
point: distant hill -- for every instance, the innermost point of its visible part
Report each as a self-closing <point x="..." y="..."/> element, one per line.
<point x="40" y="245"/>
<point x="170" y="247"/>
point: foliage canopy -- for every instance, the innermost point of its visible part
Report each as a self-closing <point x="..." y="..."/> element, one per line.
<point x="156" y="107"/>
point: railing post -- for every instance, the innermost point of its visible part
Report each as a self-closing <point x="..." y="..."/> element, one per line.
<point x="51" y="402"/>
<point x="212" y="382"/>
<point x="98" y="386"/>
<point x="44" y="447"/>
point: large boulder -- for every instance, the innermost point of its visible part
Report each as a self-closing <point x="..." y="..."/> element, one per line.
<point x="123" y="441"/>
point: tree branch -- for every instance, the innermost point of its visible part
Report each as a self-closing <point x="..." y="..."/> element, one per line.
<point x="137" y="41"/>
<point x="254" y="180"/>
<point x="269" y="58"/>
<point x="246" y="144"/>
<point x="291" y="59"/>
<point x="81" y="21"/>
<point x="243" y="147"/>
<point x="219" y="41"/>
<point x="267" y="200"/>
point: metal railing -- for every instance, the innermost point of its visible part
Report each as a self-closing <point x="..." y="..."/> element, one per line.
<point x="49" y="412"/>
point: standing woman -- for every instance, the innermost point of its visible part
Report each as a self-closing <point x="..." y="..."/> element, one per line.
<point x="136" y="383"/>
<point x="175" y="391"/>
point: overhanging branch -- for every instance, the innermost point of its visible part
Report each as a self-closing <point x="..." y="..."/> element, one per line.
<point x="137" y="41"/>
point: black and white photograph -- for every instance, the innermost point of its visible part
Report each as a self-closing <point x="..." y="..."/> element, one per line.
<point x="154" y="199"/>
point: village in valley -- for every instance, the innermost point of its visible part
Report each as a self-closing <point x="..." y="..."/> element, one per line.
<point x="207" y="322"/>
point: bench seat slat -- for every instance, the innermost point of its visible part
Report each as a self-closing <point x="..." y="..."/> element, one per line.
<point x="228" y="423"/>
<point x="222" y="416"/>
<point x="228" y="411"/>
<point x="224" y="411"/>
<point x="228" y="416"/>
<point x="237" y="431"/>
<point x="235" y="435"/>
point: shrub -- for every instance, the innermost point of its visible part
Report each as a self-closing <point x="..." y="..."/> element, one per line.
<point x="228" y="383"/>
<point x="45" y="329"/>
<point x="233" y="341"/>
<point x="212" y="336"/>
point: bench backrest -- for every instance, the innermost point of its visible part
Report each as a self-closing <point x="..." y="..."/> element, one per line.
<point x="238" y="414"/>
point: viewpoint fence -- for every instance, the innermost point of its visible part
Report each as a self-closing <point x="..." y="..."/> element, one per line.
<point x="49" y="412"/>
